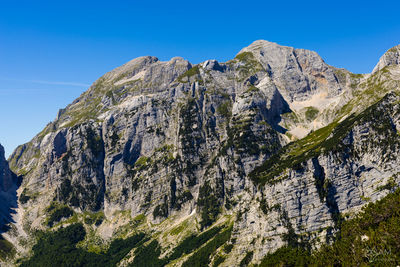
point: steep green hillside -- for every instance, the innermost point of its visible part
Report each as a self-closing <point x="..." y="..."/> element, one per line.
<point x="371" y="238"/>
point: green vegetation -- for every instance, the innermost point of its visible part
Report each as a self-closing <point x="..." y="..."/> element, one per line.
<point x="6" y="249"/>
<point x="191" y="137"/>
<point x="369" y="239"/>
<point x="264" y="206"/>
<point x="201" y="257"/>
<point x="245" y="56"/>
<point x="161" y="157"/>
<point x="218" y="260"/>
<point x="252" y="89"/>
<point x="59" y="213"/>
<point x="65" y="189"/>
<point x="287" y="256"/>
<point x="124" y="75"/>
<point x="249" y="65"/>
<point x="184" y="78"/>
<point x="94" y="142"/>
<point x="24" y="197"/>
<point x="225" y="109"/>
<point x="391" y="185"/>
<point x="369" y="91"/>
<point x="193" y="242"/>
<point x="86" y="196"/>
<point x="245" y="141"/>
<point x="90" y="105"/>
<point x="379" y="224"/>
<point x="209" y="204"/>
<point x="94" y="218"/>
<point x="59" y="249"/>
<point x="110" y="95"/>
<point x="328" y="139"/>
<point x="182" y="198"/>
<point x="291" y="156"/>
<point x="228" y="248"/>
<point x="14" y="160"/>
<point x="119" y="248"/>
<point x="180" y="228"/>
<point x="114" y="139"/>
<point x="247" y="259"/>
<point x="311" y="113"/>
<point x="161" y="210"/>
<point x="148" y="256"/>
<point x="79" y="116"/>
<point x="142" y="163"/>
<point x="356" y="75"/>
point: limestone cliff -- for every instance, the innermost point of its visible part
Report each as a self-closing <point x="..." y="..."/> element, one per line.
<point x="274" y="142"/>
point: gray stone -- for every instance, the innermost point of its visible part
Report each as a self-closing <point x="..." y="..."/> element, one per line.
<point x="149" y="133"/>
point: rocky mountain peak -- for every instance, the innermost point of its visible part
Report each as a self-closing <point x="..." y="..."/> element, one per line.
<point x="274" y="145"/>
<point x="298" y="73"/>
<point x="275" y="56"/>
<point x="135" y="64"/>
<point x="391" y="57"/>
<point x="148" y="70"/>
<point x="270" y="55"/>
<point x="258" y="44"/>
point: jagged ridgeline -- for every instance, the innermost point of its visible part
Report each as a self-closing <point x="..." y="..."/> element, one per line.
<point x="266" y="158"/>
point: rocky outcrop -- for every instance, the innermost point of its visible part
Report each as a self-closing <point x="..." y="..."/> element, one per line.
<point x="7" y="181"/>
<point x="298" y="73"/>
<point x="390" y="58"/>
<point x="8" y="197"/>
<point x="172" y="141"/>
<point x="356" y="164"/>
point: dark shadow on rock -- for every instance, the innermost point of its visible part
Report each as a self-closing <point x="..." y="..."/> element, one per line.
<point x="274" y="113"/>
<point x="131" y="151"/>
<point x="9" y="183"/>
<point x="327" y="191"/>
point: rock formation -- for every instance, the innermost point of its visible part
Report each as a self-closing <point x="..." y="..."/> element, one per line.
<point x="275" y="142"/>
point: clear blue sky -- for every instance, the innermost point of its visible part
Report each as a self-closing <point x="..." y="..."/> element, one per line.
<point x="51" y="51"/>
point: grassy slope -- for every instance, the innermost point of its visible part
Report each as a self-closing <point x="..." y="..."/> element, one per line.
<point x="61" y="247"/>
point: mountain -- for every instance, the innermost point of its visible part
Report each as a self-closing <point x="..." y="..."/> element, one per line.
<point x="214" y="163"/>
<point x="8" y="202"/>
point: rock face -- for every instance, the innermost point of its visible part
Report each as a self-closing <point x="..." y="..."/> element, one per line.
<point x="334" y="179"/>
<point x="6" y="179"/>
<point x="391" y="57"/>
<point x="8" y="187"/>
<point x="220" y="142"/>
